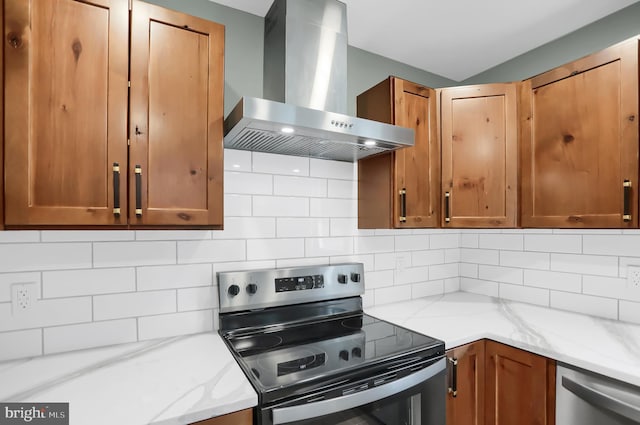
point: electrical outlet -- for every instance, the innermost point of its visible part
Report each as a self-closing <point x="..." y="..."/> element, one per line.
<point x="23" y="296"/>
<point x="633" y="278"/>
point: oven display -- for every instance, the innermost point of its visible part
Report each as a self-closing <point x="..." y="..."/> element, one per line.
<point x="299" y="283"/>
<point x="304" y="363"/>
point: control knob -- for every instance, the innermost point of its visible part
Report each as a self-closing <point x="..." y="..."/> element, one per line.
<point x="342" y="278"/>
<point x="355" y="277"/>
<point x="234" y="290"/>
<point x="252" y="288"/>
<point x="356" y="352"/>
<point x="344" y="355"/>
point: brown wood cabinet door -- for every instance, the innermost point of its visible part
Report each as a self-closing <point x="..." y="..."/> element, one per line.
<point x="479" y="156"/>
<point x="417" y="169"/>
<point x="2" y="126"/>
<point x="406" y="180"/>
<point x="176" y="118"/>
<point x="242" y="417"/>
<point x="580" y="142"/>
<point x="520" y="387"/>
<point x="466" y="406"/>
<point x="66" y="92"/>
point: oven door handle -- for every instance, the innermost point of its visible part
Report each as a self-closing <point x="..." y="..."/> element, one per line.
<point x="325" y="407"/>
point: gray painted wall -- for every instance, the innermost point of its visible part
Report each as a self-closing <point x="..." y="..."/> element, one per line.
<point x="589" y="39"/>
<point x="244" y="54"/>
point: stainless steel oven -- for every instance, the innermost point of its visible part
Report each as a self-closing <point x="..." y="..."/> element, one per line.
<point x="314" y="357"/>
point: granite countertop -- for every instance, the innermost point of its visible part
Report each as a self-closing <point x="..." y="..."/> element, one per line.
<point x="605" y="346"/>
<point x="169" y="381"/>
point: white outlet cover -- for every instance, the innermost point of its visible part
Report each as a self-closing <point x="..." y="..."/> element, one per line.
<point x="633" y="277"/>
<point x="23" y="297"/>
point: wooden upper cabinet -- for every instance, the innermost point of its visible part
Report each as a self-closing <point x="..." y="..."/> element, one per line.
<point x="580" y="142"/>
<point x="479" y="131"/>
<point x="520" y="387"/>
<point x="66" y="87"/>
<point x="401" y="189"/>
<point x="466" y="406"/>
<point x="176" y="136"/>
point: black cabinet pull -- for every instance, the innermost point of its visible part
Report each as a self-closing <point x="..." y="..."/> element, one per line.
<point x="138" y="172"/>
<point x="403" y="205"/>
<point x="116" y="189"/>
<point x="453" y="376"/>
<point x="626" y="214"/>
<point x="447" y="207"/>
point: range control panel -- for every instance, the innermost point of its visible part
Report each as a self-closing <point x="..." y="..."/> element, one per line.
<point x="255" y="289"/>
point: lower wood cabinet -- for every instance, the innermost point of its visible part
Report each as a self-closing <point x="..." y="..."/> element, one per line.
<point x="495" y="384"/>
<point x="242" y="417"/>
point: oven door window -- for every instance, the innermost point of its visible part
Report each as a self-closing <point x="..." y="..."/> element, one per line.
<point x="423" y="404"/>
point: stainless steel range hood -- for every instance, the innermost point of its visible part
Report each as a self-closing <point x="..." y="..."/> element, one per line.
<point x="305" y="85"/>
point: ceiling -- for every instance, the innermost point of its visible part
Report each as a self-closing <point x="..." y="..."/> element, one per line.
<point x="458" y="39"/>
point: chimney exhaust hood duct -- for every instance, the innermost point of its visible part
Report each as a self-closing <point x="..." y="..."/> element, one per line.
<point x="305" y="83"/>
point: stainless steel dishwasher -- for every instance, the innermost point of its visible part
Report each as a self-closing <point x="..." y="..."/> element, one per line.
<point x="585" y="398"/>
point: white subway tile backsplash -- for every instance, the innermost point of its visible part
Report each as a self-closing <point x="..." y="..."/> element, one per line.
<point x="347" y="189"/>
<point x="321" y="247"/>
<point x="299" y="186"/>
<point x="19" y="236"/>
<point x="373" y="244"/>
<point x="427" y="289"/>
<point x="333" y="169"/>
<point x="303" y="262"/>
<point x="411" y="242"/>
<point x="476" y="286"/>
<point x="392" y="295"/>
<point x="609" y="287"/>
<point x="74" y="283"/>
<point x="571" y="244"/>
<point x="44" y="256"/>
<point x="366" y="260"/>
<point x="237" y="205"/>
<point x="469" y="270"/>
<point x="247" y="183"/>
<point x="443" y="271"/>
<point x="265" y="249"/>
<point x="524" y="294"/>
<point x="379" y="279"/>
<point x="88" y="335"/>
<point x="172" y="235"/>
<point x="558" y="281"/>
<point x="177" y="276"/>
<point x="500" y="274"/>
<point x="412" y="275"/>
<point x="469" y="240"/>
<point x="585" y="304"/>
<point x="46" y="313"/>
<point x="452" y="285"/>
<point x="168" y="325"/>
<point x="202" y="298"/>
<point x="444" y="240"/>
<point x="525" y="260"/>
<point x="86" y="235"/>
<point x="241" y="265"/>
<point x="333" y="207"/>
<point x="114" y="254"/>
<point x="8" y="279"/>
<point x="280" y="164"/>
<point x="237" y="160"/>
<point x="630" y="311"/>
<point x="501" y="241"/>
<point x="190" y="252"/>
<point x="106" y="307"/>
<point x="480" y="256"/>
<point x="452" y="255"/>
<point x="247" y="228"/>
<point x="393" y="260"/>
<point x="20" y="344"/>
<point x="430" y="257"/>
<point x="627" y="245"/>
<point x="348" y="227"/>
<point x="280" y="206"/>
<point x="302" y="227"/>
<point x="585" y="264"/>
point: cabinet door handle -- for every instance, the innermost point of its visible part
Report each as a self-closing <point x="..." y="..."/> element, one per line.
<point x="403" y="205"/>
<point x="447" y="207"/>
<point x="138" y="172"/>
<point x="626" y="214"/>
<point x="453" y="377"/>
<point x="116" y="189"/>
